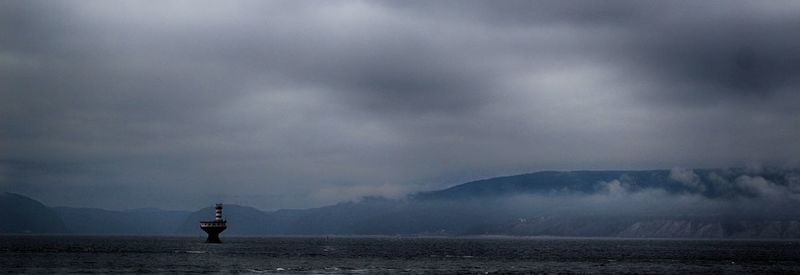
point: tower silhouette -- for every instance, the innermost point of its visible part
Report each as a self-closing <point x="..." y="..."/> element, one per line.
<point x="213" y="228"/>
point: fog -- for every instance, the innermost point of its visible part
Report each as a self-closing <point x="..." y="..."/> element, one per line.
<point x="287" y="104"/>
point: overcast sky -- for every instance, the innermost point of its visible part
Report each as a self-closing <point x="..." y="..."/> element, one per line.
<point x="294" y="104"/>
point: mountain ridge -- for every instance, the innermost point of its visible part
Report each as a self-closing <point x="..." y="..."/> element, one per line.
<point x="23" y="215"/>
<point x="675" y="203"/>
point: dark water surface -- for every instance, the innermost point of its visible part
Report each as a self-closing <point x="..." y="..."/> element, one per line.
<point x="71" y="254"/>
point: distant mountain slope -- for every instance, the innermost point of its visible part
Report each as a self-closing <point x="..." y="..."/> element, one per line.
<point x="711" y="203"/>
<point x="676" y="203"/>
<point x="548" y="182"/>
<point x="147" y="221"/>
<point x="681" y="203"/>
<point x="21" y="214"/>
<point x="708" y="182"/>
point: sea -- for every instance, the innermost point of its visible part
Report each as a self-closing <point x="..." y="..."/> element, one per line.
<point x="388" y="255"/>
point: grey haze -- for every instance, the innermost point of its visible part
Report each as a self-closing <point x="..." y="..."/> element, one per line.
<point x="290" y="104"/>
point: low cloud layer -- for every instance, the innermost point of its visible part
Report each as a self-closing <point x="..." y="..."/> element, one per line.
<point x="715" y="193"/>
<point x="277" y="104"/>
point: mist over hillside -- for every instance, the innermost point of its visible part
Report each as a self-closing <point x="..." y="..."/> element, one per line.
<point x="703" y="203"/>
<point x="676" y="203"/>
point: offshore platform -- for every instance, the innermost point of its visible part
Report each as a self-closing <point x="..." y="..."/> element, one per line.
<point x="213" y="228"/>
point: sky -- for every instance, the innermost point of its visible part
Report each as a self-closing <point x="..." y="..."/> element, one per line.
<point x="297" y="104"/>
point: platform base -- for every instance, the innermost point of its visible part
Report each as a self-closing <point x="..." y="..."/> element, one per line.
<point x="213" y="234"/>
<point x="213" y="239"/>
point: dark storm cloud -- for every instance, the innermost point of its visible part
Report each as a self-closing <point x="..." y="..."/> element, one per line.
<point x="742" y="53"/>
<point x="739" y="47"/>
<point x="292" y="104"/>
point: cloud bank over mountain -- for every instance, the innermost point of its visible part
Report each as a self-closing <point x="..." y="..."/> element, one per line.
<point x="733" y="203"/>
